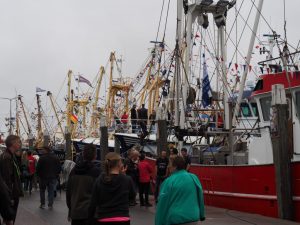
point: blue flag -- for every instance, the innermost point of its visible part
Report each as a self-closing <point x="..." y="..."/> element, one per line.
<point x="206" y="89"/>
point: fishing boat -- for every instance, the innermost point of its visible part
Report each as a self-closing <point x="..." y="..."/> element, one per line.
<point x="238" y="172"/>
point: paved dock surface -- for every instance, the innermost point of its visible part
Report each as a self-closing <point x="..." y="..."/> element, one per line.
<point x="30" y="214"/>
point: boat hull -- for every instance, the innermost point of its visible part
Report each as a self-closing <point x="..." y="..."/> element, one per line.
<point x="249" y="188"/>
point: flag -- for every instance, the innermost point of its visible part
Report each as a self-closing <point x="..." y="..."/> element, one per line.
<point x="250" y="68"/>
<point x="73" y="118"/>
<point x="206" y="89"/>
<point x="261" y="70"/>
<point x="81" y="79"/>
<point x="236" y="66"/>
<point x="37" y="89"/>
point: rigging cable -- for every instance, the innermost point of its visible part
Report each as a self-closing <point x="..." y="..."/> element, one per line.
<point x="160" y="17"/>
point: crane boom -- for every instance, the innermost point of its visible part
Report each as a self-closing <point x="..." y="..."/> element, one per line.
<point x="49" y="94"/>
<point x="93" y="124"/>
<point x="25" y="116"/>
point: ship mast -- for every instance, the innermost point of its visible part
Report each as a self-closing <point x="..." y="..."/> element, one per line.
<point x="193" y="11"/>
<point x="17" y="120"/>
<point x="177" y="69"/>
<point x="69" y="101"/>
<point x="250" y="49"/>
<point x="142" y="96"/>
<point x="39" y="122"/>
<point x="94" y="120"/>
<point x="110" y="98"/>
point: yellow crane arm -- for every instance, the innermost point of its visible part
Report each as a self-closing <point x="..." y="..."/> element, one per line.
<point x="97" y="93"/>
<point x="49" y="94"/>
<point x="25" y="116"/>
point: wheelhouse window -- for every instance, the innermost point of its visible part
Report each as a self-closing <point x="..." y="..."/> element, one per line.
<point x="259" y="85"/>
<point x="298" y="103"/>
<point x="245" y="109"/>
<point x="266" y="107"/>
<point x="254" y="109"/>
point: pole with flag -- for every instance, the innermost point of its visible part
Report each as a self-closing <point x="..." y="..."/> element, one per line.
<point x="81" y="79"/>
<point x="38" y="89"/>
<point x="206" y="89"/>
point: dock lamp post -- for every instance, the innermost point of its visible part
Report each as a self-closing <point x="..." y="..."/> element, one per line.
<point x="10" y="112"/>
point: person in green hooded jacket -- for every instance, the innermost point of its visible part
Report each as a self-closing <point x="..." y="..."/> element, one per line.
<point x="180" y="199"/>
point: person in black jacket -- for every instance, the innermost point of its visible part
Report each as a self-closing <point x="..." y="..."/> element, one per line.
<point x="112" y="193"/>
<point x="48" y="169"/>
<point x="80" y="186"/>
<point x="133" y="117"/>
<point x="10" y="171"/>
<point x="143" y="118"/>
<point x="131" y="165"/>
<point x="6" y="210"/>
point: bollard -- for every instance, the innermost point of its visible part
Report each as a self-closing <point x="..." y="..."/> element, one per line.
<point x="117" y="146"/>
<point x="30" y="141"/>
<point x="282" y="158"/>
<point x="103" y="141"/>
<point x="162" y="134"/>
<point x="46" y="141"/>
<point x="68" y="144"/>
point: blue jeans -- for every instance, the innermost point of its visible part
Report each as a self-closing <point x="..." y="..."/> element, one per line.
<point x="48" y="184"/>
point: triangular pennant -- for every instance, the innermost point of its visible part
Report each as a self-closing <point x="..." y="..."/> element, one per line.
<point x="236" y="66"/>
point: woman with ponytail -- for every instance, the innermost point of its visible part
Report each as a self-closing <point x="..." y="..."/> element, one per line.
<point x="111" y="195"/>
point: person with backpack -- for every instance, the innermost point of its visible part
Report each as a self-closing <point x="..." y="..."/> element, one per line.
<point x="80" y="186"/>
<point x="48" y="169"/>
<point x="111" y="194"/>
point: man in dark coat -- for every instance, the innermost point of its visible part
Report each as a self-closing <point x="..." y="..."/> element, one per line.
<point x="10" y="171"/>
<point x="133" y="117"/>
<point x="143" y="118"/>
<point x="80" y="186"/>
<point x="6" y="210"/>
<point x="48" y="169"/>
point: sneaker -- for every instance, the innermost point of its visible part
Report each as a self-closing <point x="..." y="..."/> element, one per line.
<point x="50" y="207"/>
<point x="42" y="206"/>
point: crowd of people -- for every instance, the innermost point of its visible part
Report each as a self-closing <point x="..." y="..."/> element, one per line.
<point x="104" y="197"/>
<point x="20" y="171"/>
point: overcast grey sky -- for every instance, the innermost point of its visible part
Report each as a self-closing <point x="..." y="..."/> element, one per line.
<point x="41" y="40"/>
